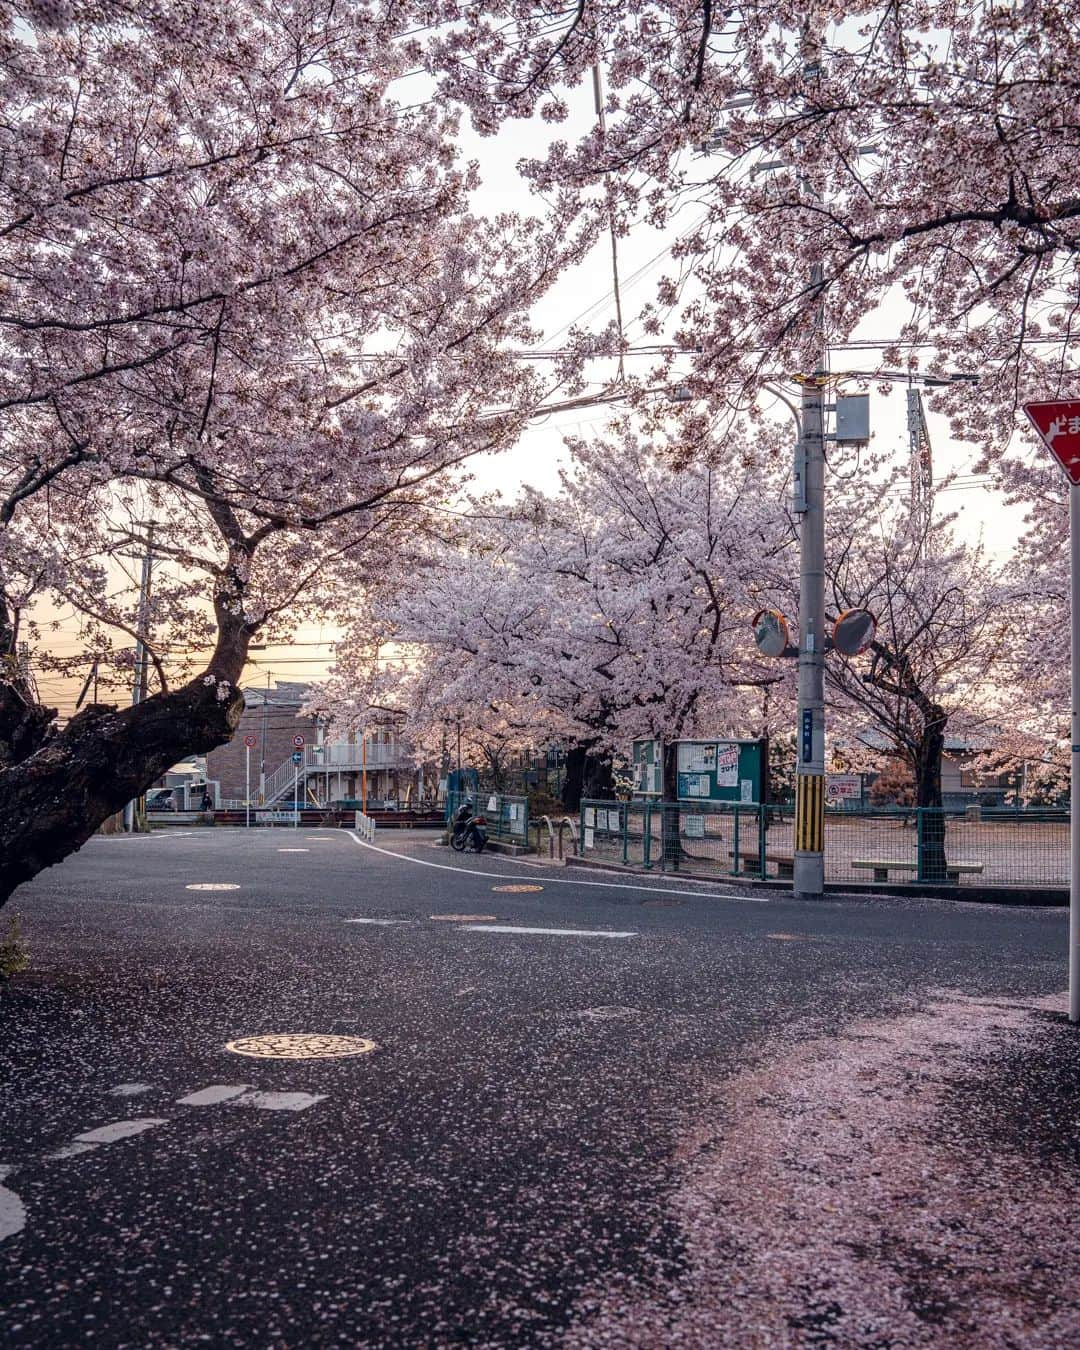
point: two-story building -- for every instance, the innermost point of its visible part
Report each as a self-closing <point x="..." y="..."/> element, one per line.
<point x="331" y="769"/>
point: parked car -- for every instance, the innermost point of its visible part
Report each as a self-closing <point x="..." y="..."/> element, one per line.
<point x="161" y="799"/>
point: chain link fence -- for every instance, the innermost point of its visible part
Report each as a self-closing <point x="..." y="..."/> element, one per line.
<point x="507" y="814"/>
<point x="965" y="847"/>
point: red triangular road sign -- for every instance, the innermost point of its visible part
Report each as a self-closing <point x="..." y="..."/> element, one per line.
<point x="1058" y="425"/>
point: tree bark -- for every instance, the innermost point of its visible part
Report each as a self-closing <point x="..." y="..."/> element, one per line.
<point x="671" y="847"/>
<point x="52" y="801"/>
<point x="927" y="772"/>
<point x="587" y="775"/>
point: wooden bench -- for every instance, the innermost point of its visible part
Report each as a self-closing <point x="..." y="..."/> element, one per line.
<point x="881" y="867"/>
<point x="750" y="862"/>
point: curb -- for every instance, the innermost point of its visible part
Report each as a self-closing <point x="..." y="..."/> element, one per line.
<point x="1043" y="897"/>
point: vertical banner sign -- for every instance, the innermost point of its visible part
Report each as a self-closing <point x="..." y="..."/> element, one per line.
<point x="807" y="736"/>
<point x="1058" y="425"/>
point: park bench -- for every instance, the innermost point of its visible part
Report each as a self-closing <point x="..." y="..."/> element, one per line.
<point x="881" y="867"/>
<point x="750" y="862"/>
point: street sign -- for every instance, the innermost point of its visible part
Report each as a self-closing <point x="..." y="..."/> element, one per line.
<point x="298" y="741"/>
<point x="298" y="756"/>
<point x="251" y="742"/>
<point x="1058" y="425"/>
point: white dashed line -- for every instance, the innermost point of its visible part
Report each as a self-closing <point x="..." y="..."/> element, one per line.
<point x="120" y="1129"/>
<point x="550" y="932"/>
<point x="212" y="1095"/>
<point x="70" y="1151"/>
<point x="562" y="881"/>
<point x="280" y="1101"/>
<point x="380" y="922"/>
<point x="12" y="1209"/>
<point x="129" y="1089"/>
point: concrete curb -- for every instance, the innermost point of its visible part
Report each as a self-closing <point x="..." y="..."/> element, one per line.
<point x="1044" y="897"/>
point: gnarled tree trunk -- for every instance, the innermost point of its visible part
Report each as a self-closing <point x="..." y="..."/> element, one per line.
<point x="55" y="798"/>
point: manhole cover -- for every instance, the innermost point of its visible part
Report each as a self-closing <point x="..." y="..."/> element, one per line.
<point x="788" y="937"/>
<point x="213" y="886"/>
<point x="517" y="890"/>
<point x="463" y="918"/>
<point x="661" y="904"/>
<point x="300" y="1046"/>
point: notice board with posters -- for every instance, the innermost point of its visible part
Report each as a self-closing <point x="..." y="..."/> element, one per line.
<point x="721" y="771"/>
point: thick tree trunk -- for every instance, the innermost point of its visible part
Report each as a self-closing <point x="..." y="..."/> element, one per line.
<point x="54" y="800"/>
<point x="927" y="773"/>
<point x="587" y="775"/>
<point x="670" y="823"/>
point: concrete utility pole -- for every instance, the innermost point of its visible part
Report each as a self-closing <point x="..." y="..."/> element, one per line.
<point x="809" y="478"/>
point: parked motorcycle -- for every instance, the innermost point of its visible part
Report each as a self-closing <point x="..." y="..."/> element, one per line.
<point x="467" y="830"/>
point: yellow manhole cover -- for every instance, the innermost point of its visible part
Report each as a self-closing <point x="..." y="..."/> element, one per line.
<point x="788" y="937"/>
<point x="463" y="918"/>
<point x="300" y="1046"/>
<point x="517" y="890"/>
<point x="213" y="886"/>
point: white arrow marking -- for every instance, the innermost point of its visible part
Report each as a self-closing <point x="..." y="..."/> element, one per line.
<point x="119" y="1129"/>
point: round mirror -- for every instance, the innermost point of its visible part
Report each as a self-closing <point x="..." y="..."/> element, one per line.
<point x="854" y="631"/>
<point x="770" y="632"/>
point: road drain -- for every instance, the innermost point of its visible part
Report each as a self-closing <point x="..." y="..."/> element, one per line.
<point x="300" y="1046"/>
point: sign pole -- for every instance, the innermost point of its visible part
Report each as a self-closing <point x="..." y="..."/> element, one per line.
<point x="247" y="787"/>
<point x="1057" y="422"/>
<point x="296" y="795"/>
<point x="1074" y="784"/>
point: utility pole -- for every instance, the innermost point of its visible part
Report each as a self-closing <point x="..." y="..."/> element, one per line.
<point x="142" y="658"/>
<point x="809" y="477"/>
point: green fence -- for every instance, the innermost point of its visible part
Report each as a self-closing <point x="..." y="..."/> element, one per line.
<point x="507" y="815"/>
<point x="971" y="847"/>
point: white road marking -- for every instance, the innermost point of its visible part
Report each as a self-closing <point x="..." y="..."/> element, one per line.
<point x="129" y="1089"/>
<point x="213" y="886"/>
<point x="294" y="850"/>
<point x="550" y="932"/>
<point x="381" y="922"/>
<point x="70" y="1151"/>
<point x="120" y="1129"/>
<point x="212" y="1095"/>
<point x="12" y="1209"/>
<point x="560" y="881"/>
<point x="280" y="1101"/>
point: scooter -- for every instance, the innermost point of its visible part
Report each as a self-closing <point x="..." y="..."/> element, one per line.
<point x="467" y="830"/>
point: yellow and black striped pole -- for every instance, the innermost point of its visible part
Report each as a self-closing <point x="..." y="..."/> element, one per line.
<point x="810" y="813"/>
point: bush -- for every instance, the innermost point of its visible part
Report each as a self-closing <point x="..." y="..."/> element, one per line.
<point x="13" y="958"/>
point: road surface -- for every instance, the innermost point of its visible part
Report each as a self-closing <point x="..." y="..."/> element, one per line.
<point x="585" y="1111"/>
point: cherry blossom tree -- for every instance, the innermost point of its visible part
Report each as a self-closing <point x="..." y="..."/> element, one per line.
<point x="246" y="320"/>
<point x="616" y="610"/>
<point x="913" y="160"/>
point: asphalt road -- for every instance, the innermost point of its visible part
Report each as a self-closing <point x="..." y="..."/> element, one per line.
<point x="538" y="1148"/>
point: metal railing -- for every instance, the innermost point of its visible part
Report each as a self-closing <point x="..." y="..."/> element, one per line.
<point x="965" y="847"/>
<point x="507" y="814"/>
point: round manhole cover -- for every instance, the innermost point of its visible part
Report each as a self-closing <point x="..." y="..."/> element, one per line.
<point x="517" y="889"/>
<point x="788" y="937"/>
<point x="463" y="918"/>
<point x="300" y="1046"/>
<point x="213" y="886"/>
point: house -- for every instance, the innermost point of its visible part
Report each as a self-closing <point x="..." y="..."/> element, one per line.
<point x="331" y="768"/>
